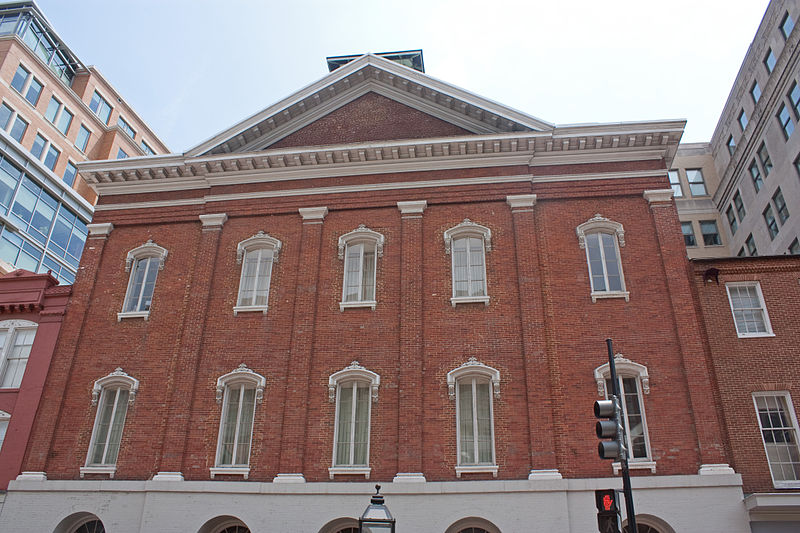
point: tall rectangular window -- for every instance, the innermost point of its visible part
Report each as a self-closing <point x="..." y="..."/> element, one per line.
<point x="254" y="281"/>
<point x="123" y="124"/>
<point x="731" y="219"/>
<point x="108" y="425"/>
<point x="787" y="25"/>
<point x="697" y="185"/>
<point x="688" y="233"/>
<point x="778" y="425"/>
<point x="475" y="432"/>
<point x="731" y="144"/>
<point x="794" y="98"/>
<point x="33" y="92"/>
<point x="742" y="119"/>
<point x="70" y="171"/>
<point x="635" y="427"/>
<point x="737" y="201"/>
<point x="772" y="224"/>
<point x="82" y="138"/>
<point x="755" y="174"/>
<point x="751" y="246"/>
<point x="64" y="121"/>
<point x="51" y="158"/>
<point x="352" y="424"/>
<point x="18" y="129"/>
<point x="770" y="61"/>
<point x="16" y="340"/>
<point x="236" y="428"/>
<point x="5" y="116"/>
<point x="146" y="148"/>
<point x="755" y="92"/>
<point x="101" y="107"/>
<point x="794" y="248"/>
<point x="52" y="109"/>
<point x="141" y="285"/>
<point x="604" y="262"/>
<point x="20" y="78"/>
<point x="763" y="156"/>
<point x="749" y="311"/>
<point x="675" y="182"/>
<point x="37" y="149"/>
<point x="780" y="205"/>
<point x="710" y="233"/>
<point x="469" y="270"/>
<point x="785" y="120"/>
<point x="122" y="154"/>
<point x="359" y="272"/>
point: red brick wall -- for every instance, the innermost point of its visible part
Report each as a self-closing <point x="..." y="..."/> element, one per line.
<point x="743" y="366"/>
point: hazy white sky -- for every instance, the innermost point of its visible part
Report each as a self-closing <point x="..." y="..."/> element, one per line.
<point x="192" y="68"/>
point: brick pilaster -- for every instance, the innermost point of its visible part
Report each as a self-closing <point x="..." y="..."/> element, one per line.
<point x="297" y="384"/>
<point x="409" y="409"/>
<point x="187" y="352"/>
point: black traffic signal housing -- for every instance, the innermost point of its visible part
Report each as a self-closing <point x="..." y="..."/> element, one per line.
<point x="607" y="510"/>
<point x="608" y="428"/>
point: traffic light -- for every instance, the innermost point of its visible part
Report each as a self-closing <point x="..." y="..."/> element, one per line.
<point x="608" y="429"/>
<point x="607" y="510"/>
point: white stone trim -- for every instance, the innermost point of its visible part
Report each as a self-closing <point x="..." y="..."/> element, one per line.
<point x="624" y="367"/>
<point x="289" y="478"/>
<point x="148" y="249"/>
<point x="259" y="240"/>
<point x="32" y="476"/>
<point x="603" y="295"/>
<point x="133" y="314"/>
<point x="476" y="469"/>
<point x="362" y="233"/>
<point x="241" y="374"/>
<point x="520" y="201"/>
<point x="468" y="227"/>
<point x="600" y="223"/>
<point x="353" y="372"/>
<point x="213" y="221"/>
<point x="409" y="477"/>
<point x="455" y="300"/>
<point x="349" y="470"/>
<point x="715" y="469"/>
<point x="415" y="207"/>
<point x="237" y="309"/>
<point x="313" y="213"/>
<point x="658" y="195"/>
<point x="552" y="473"/>
<point x="372" y="304"/>
<point x="635" y="465"/>
<point x="473" y="367"/>
<point x="243" y="471"/>
<point x="101" y="230"/>
<point x="168" y="476"/>
<point x="117" y="377"/>
<point x="110" y="470"/>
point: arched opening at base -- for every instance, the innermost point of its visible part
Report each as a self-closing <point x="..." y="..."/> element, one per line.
<point x="83" y="522"/>
<point x="472" y="524"/>
<point x="647" y="523"/>
<point x="341" y="525"/>
<point x="224" y="524"/>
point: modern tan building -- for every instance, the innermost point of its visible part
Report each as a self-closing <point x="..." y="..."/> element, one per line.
<point x="748" y="185"/>
<point x="54" y="113"/>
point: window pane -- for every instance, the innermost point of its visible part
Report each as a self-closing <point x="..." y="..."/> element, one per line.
<point x="769" y="61"/>
<point x="697" y="185"/>
<point x="51" y="158"/>
<point x="710" y="233"/>
<point x="484" y="420"/>
<point x="460" y="267"/>
<point x="368" y="274"/>
<point x="20" y="77"/>
<point x="82" y="139"/>
<point x="34" y="90"/>
<point x="465" y="425"/>
<point x="64" y="121"/>
<point x="52" y="109"/>
<point x="755" y="92"/>
<point x="596" y="270"/>
<point x="38" y="146"/>
<point x="70" y="171"/>
<point x="763" y="156"/>
<point x="18" y="129"/>
<point x="352" y="276"/>
<point x="748" y="312"/>
<point x="688" y="234"/>
<point x="17" y="358"/>
<point x="780" y="437"/>
<point x="344" y="428"/>
<point x="612" y="264"/>
<point x="361" y="430"/>
<point x="675" y="182"/>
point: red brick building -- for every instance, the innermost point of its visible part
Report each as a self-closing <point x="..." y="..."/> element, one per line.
<point x="381" y="278"/>
<point x="750" y="309"/>
<point x="31" y="310"/>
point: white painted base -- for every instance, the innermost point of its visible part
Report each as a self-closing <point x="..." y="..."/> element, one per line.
<point x="32" y="476"/>
<point x="714" y="469"/>
<point x="544" y="474"/>
<point x="168" y="476"/>
<point x="289" y="478"/>
<point x="409" y="477"/>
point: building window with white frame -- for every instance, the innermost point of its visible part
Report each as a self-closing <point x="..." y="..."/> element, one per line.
<point x="360" y="249"/>
<point x="602" y="239"/>
<point x="256" y="255"/>
<point x="675" y="183"/>
<point x="467" y="244"/>
<point x="143" y="263"/>
<point x="748" y="308"/>
<point x="778" y="424"/>
<point x="473" y="386"/>
<point x="16" y="341"/>
<point x="355" y="389"/>
<point x="633" y="382"/>
<point x="238" y="392"/>
<point x="112" y="395"/>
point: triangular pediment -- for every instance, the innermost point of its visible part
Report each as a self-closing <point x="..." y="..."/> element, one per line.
<point x="369" y="89"/>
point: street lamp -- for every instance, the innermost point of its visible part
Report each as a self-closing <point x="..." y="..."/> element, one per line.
<point x="376" y="517"/>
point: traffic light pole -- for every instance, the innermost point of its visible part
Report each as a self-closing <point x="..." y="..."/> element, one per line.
<point x="626" y="475"/>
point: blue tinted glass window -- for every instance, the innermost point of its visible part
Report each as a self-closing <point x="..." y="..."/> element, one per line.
<point x="52" y="109"/>
<point x="68" y="237"/>
<point x="69" y="173"/>
<point x="9" y="179"/>
<point x="8" y="24"/>
<point x="5" y="116"/>
<point x="20" y="77"/>
<point x="18" y="251"/>
<point x="82" y="139"/>
<point x="18" y="129"/>
<point x="121" y="154"/>
<point x="51" y="158"/>
<point x="38" y="146"/>
<point x="34" y="90"/>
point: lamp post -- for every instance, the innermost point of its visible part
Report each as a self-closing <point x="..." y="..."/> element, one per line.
<point x="376" y="517"/>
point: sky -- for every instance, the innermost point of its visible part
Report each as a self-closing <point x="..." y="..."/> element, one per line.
<point x="192" y="68"/>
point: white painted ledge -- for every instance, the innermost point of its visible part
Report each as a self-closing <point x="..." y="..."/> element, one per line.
<point x="110" y="470"/>
<point x="536" y="475"/>
<point x="352" y="305"/>
<point x="601" y="295"/>
<point x="476" y="469"/>
<point x="133" y="314"/>
<point x="289" y="478"/>
<point x="455" y="300"/>
<point x="635" y="465"/>
<point x="715" y="469"/>
<point x="409" y="477"/>
<point x="250" y="309"/>
<point x="349" y="470"/>
<point x="168" y="476"/>
<point x="412" y="207"/>
<point x="243" y="471"/>
<point x="32" y="476"/>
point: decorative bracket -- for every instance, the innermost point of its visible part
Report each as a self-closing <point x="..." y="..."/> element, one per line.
<point x="361" y="233"/>
<point x="353" y="372"/>
<point x="148" y="249"/>
<point x="467" y="227"/>
<point x="117" y="377"/>
<point x="259" y="240"/>
<point x="599" y="222"/>
<point x="242" y="374"/>
<point x="473" y="367"/>
<point x="625" y="367"/>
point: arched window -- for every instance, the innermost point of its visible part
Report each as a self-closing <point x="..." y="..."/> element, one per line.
<point x="111" y="394"/>
<point x="224" y="524"/>
<point x="473" y="385"/>
<point x="633" y="382"/>
<point x="238" y="392"/>
<point x="256" y="255"/>
<point x="359" y="249"/>
<point x="602" y="239"/>
<point x="467" y="244"/>
<point x="354" y="389"/>
<point x="91" y="526"/>
<point x="340" y="525"/>
<point x="16" y="340"/>
<point x="143" y="263"/>
<point x="472" y="524"/>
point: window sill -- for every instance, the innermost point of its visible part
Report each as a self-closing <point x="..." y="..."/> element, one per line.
<point x="350" y="470"/>
<point x="476" y="469"/>
<point x="635" y="465"/>
<point x="364" y="303"/>
<point x="250" y="309"/>
<point x="754" y="335"/>
<point x="601" y="295"/>
<point x="107" y="469"/>
<point x="243" y="471"/>
<point x="133" y="314"/>
<point x="455" y="300"/>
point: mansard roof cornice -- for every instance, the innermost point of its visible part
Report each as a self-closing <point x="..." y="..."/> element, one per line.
<point x="569" y="144"/>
